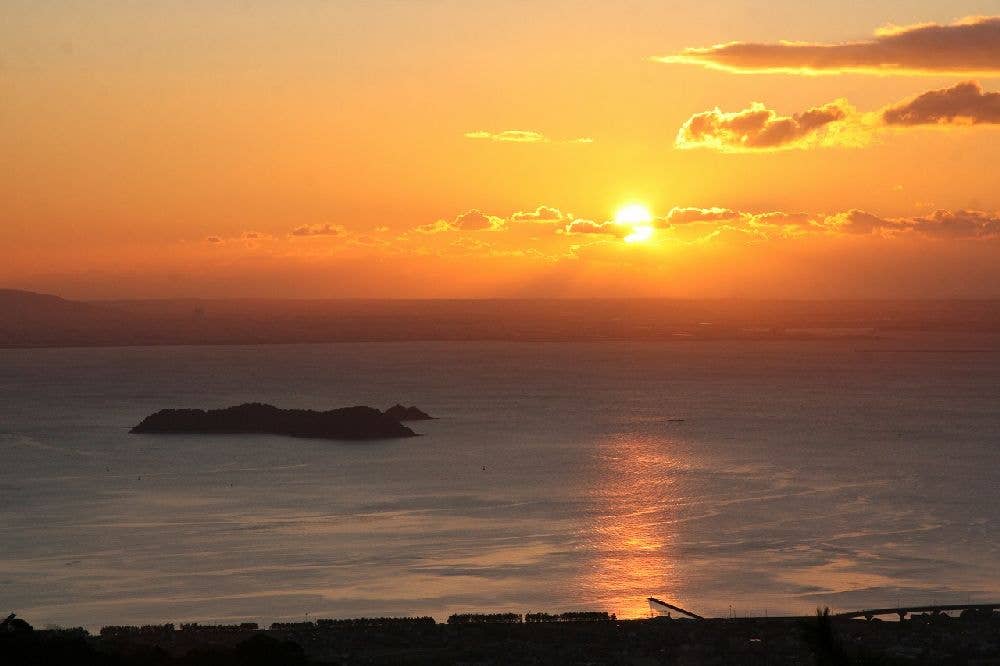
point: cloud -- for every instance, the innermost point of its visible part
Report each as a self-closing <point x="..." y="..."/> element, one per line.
<point x="775" y="225"/>
<point x="733" y="233"/>
<point x="436" y="227"/>
<point x="541" y="214"/>
<point x="758" y="128"/>
<point x="542" y="227"/>
<point x="591" y="227"/>
<point x="961" y="224"/>
<point x="213" y="239"/>
<point x="942" y="224"/>
<point x="857" y="221"/>
<point x="469" y="245"/>
<point x="962" y="104"/>
<point x="477" y="220"/>
<point x="510" y="136"/>
<point x="779" y="218"/>
<point x="969" y="45"/>
<point x="318" y="230"/>
<point x="690" y="215"/>
<point x="521" y="136"/>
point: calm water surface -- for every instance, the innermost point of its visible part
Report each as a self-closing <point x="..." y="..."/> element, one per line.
<point x="557" y="478"/>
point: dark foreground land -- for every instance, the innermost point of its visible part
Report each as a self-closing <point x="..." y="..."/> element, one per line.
<point x="971" y="639"/>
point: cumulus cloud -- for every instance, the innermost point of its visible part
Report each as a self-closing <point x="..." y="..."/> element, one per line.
<point x="856" y="221"/>
<point x="969" y="45"/>
<point x="962" y="104"/>
<point x="477" y="220"/>
<point x="967" y="224"/>
<point x="691" y="224"/>
<point x="943" y="224"/>
<point x="318" y="230"/>
<point x="592" y="227"/>
<point x="541" y="214"/>
<point x="689" y="215"/>
<point x="779" y="218"/>
<point x="774" y="225"/>
<point x="435" y="227"/>
<point x="758" y="128"/>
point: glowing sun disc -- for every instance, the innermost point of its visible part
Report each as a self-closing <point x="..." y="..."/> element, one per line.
<point x="634" y="214"/>
<point x="639" y="218"/>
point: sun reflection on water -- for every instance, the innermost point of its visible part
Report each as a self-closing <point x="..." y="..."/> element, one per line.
<point x="633" y="534"/>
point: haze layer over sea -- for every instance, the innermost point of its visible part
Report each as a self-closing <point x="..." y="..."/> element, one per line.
<point x="762" y="476"/>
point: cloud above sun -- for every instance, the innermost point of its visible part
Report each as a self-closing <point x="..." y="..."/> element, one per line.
<point x="968" y="46"/>
<point x="760" y="129"/>
<point x="963" y="104"/>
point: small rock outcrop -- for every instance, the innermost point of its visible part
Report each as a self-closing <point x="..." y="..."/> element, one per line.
<point x="401" y="413"/>
<point x="258" y="418"/>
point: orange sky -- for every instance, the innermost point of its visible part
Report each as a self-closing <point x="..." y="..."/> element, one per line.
<point x="405" y="149"/>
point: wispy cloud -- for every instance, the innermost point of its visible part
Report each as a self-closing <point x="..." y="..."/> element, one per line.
<point x="968" y="46"/>
<point x="318" y="230"/>
<point x="510" y="136"/>
<point x="521" y="136"/>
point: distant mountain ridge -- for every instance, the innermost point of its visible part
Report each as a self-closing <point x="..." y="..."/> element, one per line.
<point x="29" y="319"/>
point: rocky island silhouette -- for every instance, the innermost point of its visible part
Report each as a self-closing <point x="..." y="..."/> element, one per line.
<point x="353" y="423"/>
<point x="401" y="413"/>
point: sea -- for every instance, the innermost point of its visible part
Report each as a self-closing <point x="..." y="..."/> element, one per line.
<point x="732" y="478"/>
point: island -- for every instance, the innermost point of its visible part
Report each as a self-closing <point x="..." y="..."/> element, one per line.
<point x="258" y="418"/>
<point x="401" y="413"/>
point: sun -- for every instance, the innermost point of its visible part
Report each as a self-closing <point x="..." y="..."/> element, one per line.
<point x="639" y="218"/>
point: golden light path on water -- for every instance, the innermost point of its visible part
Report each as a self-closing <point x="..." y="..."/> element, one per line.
<point x="633" y="535"/>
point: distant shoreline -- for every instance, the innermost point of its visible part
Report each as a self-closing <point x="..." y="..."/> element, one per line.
<point x="45" y="321"/>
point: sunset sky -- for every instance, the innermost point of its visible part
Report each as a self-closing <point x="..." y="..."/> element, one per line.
<point x="772" y="148"/>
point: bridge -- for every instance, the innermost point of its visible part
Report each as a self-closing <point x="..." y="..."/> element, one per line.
<point x="903" y="611"/>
